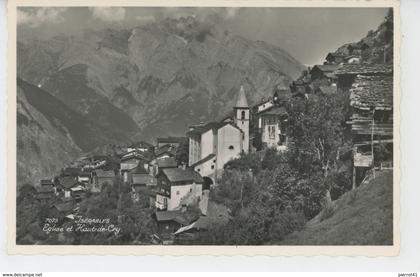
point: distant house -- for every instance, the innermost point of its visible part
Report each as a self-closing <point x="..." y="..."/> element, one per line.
<point x="130" y="161"/>
<point x="101" y="177"/>
<point x="163" y="163"/>
<point x="217" y="215"/>
<point x="170" y="221"/>
<point x="176" y="184"/>
<point x="371" y="101"/>
<point x="141" y="146"/>
<point x="174" y="141"/>
<point x="323" y="73"/>
<point x="335" y="58"/>
<point x="273" y="127"/>
<point x="166" y="151"/>
<point x="347" y="73"/>
<point x="46" y="190"/>
<point x="85" y="177"/>
<point x="69" y="185"/>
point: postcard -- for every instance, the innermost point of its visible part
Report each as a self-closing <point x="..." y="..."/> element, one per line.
<point x="203" y="127"/>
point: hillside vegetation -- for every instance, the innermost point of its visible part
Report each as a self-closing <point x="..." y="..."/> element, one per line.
<point x="360" y="217"/>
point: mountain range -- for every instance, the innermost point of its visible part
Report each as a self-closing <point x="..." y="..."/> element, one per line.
<point x="120" y="85"/>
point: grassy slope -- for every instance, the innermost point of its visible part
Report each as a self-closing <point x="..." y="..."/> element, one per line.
<point x="361" y="217"/>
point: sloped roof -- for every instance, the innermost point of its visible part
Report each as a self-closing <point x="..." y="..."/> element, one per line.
<point x="372" y="92"/>
<point x="68" y="181"/>
<point x="275" y="110"/>
<point x="177" y="216"/>
<point x="205" y="159"/>
<point x="134" y="155"/>
<point x="325" y="67"/>
<point x="105" y="173"/>
<point x="167" y="148"/>
<point x="217" y="214"/>
<point x="241" y="102"/>
<point x="201" y="129"/>
<point x="180" y="175"/>
<point x="141" y="144"/>
<point x="144" y="179"/>
<point x="166" y="162"/>
<point x="138" y="170"/>
<point x="365" y="69"/>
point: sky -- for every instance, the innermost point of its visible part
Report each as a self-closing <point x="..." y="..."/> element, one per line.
<point x="308" y="34"/>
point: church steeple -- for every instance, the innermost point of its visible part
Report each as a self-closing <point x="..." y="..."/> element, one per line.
<point x="242" y="117"/>
<point x="242" y="102"/>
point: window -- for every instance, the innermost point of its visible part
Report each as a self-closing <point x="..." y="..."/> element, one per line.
<point x="177" y="192"/>
<point x="212" y="167"/>
<point x="190" y="190"/>
<point x="198" y="170"/>
<point x="243" y="115"/>
<point x="272" y="132"/>
<point x="231" y="147"/>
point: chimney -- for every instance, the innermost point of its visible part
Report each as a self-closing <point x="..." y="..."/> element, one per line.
<point x="183" y="208"/>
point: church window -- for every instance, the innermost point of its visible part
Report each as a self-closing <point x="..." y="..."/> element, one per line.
<point x="231" y="147"/>
<point x="243" y="115"/>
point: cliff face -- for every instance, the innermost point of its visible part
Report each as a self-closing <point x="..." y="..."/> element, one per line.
<point x="43" y="146"/>
<point x="156" y="79"/>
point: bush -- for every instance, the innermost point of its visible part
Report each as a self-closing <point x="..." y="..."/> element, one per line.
<point x="285" y="223"/>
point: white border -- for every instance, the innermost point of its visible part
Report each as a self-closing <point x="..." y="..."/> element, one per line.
<point x="408" y="260"/>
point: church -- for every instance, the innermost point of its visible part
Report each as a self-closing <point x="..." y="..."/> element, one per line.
<point x="213" y="144"/>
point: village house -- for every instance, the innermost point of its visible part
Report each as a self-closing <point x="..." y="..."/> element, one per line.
<point x="323" y="74"/>
<point x="131" y="160"/>
<point x="70" y="186"/>
<point x="141" y="146"/>
<point x="177" y="187"/>
<point x="217" y="215"/>
<point x="273" y="126"/>
<point x="347" y="73"/>
<point x="166" y="151"/>
<point x="334" y="58"/>
<point x="168" y="222"/>
<point x="142" y="182"/>
<point x="46" y="190"/>
<point x="371" y="101"/>
<point x="174" y="141"/>
<point x="213" y="144"/>
<point x="100" y="178"/>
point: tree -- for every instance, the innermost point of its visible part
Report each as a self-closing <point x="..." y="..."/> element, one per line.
<point x="317" y="127"/>
<point x="182" y="153"/>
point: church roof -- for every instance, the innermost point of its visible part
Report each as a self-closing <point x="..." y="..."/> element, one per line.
<point x="242" y="102"/>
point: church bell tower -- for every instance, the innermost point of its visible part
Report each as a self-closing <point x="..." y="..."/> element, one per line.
<point x="242" y="117"/>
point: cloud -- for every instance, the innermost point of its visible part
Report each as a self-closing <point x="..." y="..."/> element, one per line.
<point x="231" y="12"/>
<point x="35" y="16"/>
<point x="108" y="13"/>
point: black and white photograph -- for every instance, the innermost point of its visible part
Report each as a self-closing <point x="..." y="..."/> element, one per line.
<point x="205" y="126"/>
